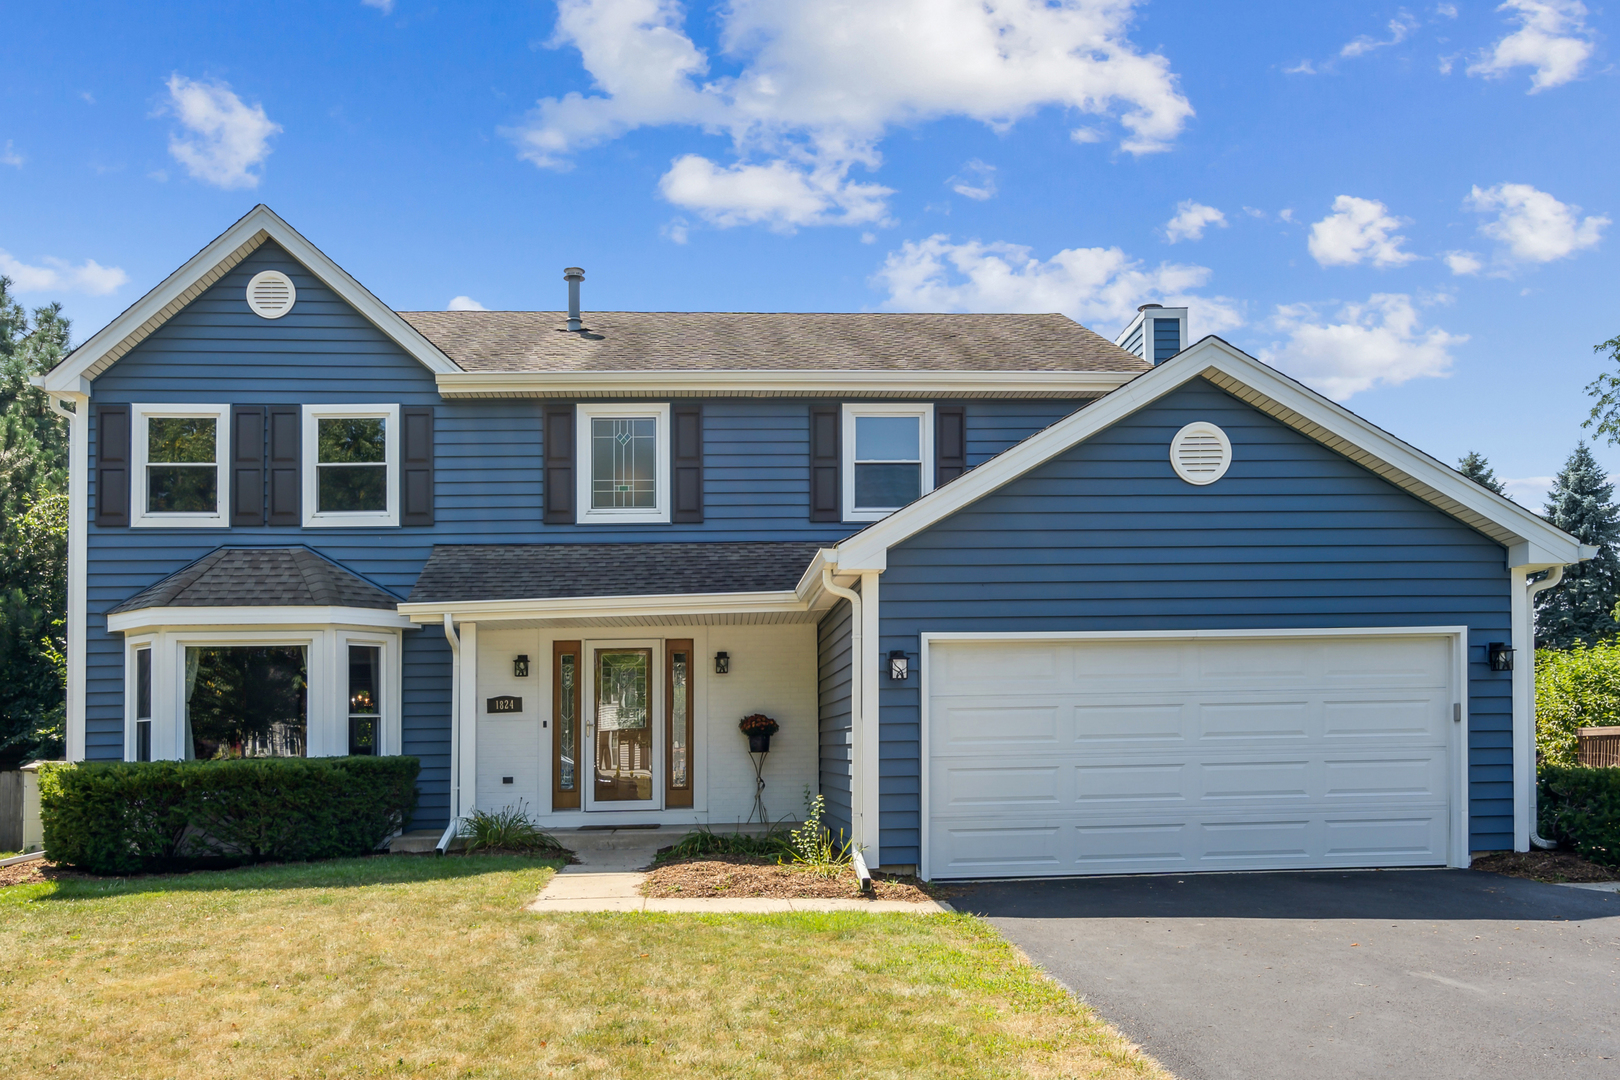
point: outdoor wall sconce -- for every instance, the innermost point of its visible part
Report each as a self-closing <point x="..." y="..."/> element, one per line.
<point x="520" y="667"/>
<point x="899" y="665"/>
<point x="1501" y="656"/>
<point x="722" y="663"/>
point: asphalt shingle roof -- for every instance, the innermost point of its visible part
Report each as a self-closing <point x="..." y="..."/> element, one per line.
<point x="261" y="577"/>
<point x="538" y="341"/>
<point x="471" y="572"/>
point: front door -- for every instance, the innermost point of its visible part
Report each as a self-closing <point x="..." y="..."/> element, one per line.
<point x="622" y="737"/>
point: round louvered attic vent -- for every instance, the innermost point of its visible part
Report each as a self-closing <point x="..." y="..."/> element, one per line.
<point x="270" y="294"/>
<point x="1200" y="453"/>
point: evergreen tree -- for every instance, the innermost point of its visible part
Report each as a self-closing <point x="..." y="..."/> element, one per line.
<point x="1477" y="469"/>
<point x="33" y="536"/>
<point x="1581" y="608"/>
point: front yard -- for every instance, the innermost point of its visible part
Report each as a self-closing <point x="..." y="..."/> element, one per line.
<point x="430" y="967"/>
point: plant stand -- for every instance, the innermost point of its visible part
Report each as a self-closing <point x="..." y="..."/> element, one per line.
<point x="759" y="788"/>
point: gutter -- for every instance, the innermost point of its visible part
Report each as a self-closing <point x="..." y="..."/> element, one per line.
<point x="455" y="736"/>
<point x="1554" y="576"/>
<point x="857" y="717"/>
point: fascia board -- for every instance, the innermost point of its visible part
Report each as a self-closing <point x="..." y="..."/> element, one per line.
<point x="258" y="225"/>
<point x="865" y="550"/>
<point x="570" y="383"/>
<point x="586" y="607"/>
<point x="291" y="615"/>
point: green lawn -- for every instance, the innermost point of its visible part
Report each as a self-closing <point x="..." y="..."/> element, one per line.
<point x="430" y="967"/>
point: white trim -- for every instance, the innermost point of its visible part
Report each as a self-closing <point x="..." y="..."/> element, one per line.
<point x="1458" y="853"/>
<point x="78" y="563"/>
<point x="310" y="443"/>
<point x="1521" y="635"/>
<point x="584" y="464"/>
<point x="133" y="645"/>
<point x="277" y="616"/>
<point x="1200" y="427"/>
<point x="746" y="382"/>
<point x="275" y="277"/>
<point x="870" y="742"/>
<point x="1179" y="314"/>
<point x="207" y="266"/>
<point x="140" y="450"/>
<point x="1498" y="517"/>
<point x="924" y="414"/>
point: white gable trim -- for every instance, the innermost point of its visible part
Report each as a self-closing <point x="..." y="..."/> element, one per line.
<point x="204" y="269"/>
<point x="1531" y="541"/>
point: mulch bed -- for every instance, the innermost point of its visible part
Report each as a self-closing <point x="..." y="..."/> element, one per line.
<point x="741" y="875"/>
<point x="27" y="873"/>
<point x="1550" y="866"/>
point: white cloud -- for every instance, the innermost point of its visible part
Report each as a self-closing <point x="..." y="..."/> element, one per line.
<point x="59" y="275"/>
<point x="1463" y="263"/>
<point x="1358" y="230"/>
<point x="1400" y="28"/>
<point x="978" y="183"/>
<point x="224" y="138"/>
<point x="1100" y="287"/>
<point x="1531" y="225"/>
<point x="1378" y="343"/>
<point x="818" y="83"/>
<point x="1191" y="219"/>
<point x="779" y="195"/>
<point x="1304" y="67"/>
<point x="1552" y="38"/>
<point x="1529" y="490"/>
<point x="387" y="8"/>
<point x="464" y="303"/>
<point x="1446" y="11"/>
<point x="12" y="157"/>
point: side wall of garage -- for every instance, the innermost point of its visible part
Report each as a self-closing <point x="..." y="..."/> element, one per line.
<point x="1107" y="537"/>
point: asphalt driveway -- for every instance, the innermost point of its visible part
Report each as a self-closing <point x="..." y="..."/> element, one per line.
<point x="1421" y="973"/>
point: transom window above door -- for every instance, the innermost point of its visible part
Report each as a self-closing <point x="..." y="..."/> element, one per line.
<point x="888" y="458"/>
<point x="624" y="454"/>
<point x="351" y="465"/>
<point x="179" y="462"/>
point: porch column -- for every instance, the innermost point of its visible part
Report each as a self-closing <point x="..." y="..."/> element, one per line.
<point x="466" y="735"/>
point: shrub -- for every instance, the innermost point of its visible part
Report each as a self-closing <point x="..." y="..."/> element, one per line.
<point x="122" y="817"/>
<point x="1580" y="808"/>
<point x="1575" y="688"/>
<point x="772" y="845"/>
<point x="813" y="845"/>
<point x="507" y="829"/>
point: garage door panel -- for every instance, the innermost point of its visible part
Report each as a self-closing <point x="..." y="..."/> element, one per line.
<point x="1178" y="755"/>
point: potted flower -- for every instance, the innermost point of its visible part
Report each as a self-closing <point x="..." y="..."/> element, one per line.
<point x="759" y="728"/>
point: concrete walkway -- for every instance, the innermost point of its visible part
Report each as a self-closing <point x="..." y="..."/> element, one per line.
<point x="612" y="865"/>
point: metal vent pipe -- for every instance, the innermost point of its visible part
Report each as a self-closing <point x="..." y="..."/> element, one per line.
<point x="573" y="275"/>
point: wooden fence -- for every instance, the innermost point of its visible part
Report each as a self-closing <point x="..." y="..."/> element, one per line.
<point x="1599" y="745"/>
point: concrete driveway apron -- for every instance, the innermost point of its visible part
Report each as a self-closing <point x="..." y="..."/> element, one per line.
<point x="1418" y="973"/>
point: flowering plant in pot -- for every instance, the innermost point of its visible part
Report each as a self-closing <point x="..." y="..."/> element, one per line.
<point x="759" y="728"/>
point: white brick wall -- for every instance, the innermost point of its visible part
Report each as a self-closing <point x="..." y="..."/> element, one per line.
<point x="773" y="671"/>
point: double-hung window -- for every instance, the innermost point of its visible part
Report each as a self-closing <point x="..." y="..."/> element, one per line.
<point x="624" y="457"/>
<point x="888" y="457"/>
<point x="179" y="458"/>
<point x="351" y="465"/>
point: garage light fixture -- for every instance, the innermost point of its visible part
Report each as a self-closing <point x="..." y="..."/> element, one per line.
<point x="1501" y="656"/>
<point x="898" y="665"/>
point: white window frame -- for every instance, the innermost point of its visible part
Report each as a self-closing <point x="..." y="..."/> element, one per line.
<point x="140" y="450"/>
<point x="312" y="415"/>
<point x="584" y="464"/>
<point x="923" y="412"/>
<point x="326" y="713"/>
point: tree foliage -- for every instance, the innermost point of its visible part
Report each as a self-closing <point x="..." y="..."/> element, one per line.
<point x="1477" y="469"/>
<point x="1575" y="688"/>
<point x="1581" y="608"/>
<point x="33" y="535"/>
<point x="1606" y="388"/>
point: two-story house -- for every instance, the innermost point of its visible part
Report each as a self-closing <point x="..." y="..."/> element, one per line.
<point x="1022" y="599"/>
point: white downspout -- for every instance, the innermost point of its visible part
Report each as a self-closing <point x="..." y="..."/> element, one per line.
<point x="455" y="735"/>
<point x="78" y="561"/>
<point x="857" y="712"/>
<point x="1554" y="576"/>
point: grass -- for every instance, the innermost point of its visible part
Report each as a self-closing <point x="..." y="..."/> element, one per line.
<point x="422" y="967"/>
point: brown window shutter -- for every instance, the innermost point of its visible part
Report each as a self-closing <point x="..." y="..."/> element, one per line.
<point x="112" y="466"/>
<point x="686" y="463"/>
<point x="286" y="480"/>
<point x="247" y="466"/>
<point x="416" y="466"/>
<point x="824" y="503"/>
<point x="559" y="465"/>
<point x="950" y="443"/>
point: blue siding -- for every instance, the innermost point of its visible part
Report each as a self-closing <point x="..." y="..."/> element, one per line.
<point x="833" y="689"/>
<point x="1105" y="537"/>
<point x="1166" y="339"/>
<point x="487" y="475"/>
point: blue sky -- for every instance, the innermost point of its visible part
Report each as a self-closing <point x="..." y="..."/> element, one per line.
<point x="1408" y="207"/>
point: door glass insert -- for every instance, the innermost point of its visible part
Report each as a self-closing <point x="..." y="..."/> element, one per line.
<point x="624" y="746"/>
<point x="567" y="721"/>
<point x="365" y="685"/>
<point x="679" y="774"/>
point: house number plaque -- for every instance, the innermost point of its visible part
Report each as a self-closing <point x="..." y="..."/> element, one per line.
<point x="504" y="703"/>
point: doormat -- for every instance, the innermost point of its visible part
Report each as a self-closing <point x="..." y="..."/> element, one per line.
<point x="615" y="828"/>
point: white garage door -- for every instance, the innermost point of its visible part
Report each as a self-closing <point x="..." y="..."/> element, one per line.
<point x="1134" y="755"/>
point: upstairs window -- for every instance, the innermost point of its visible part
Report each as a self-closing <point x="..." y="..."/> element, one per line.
<point x="888" y="458"/>
<point x="179" y="465"/>
<point x="624" y="453"/>
<point x="351" y="465"/>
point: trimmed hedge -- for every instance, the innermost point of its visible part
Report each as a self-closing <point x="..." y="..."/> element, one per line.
<point x="123" y="817"/>
<point x="1580" y="808"/>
